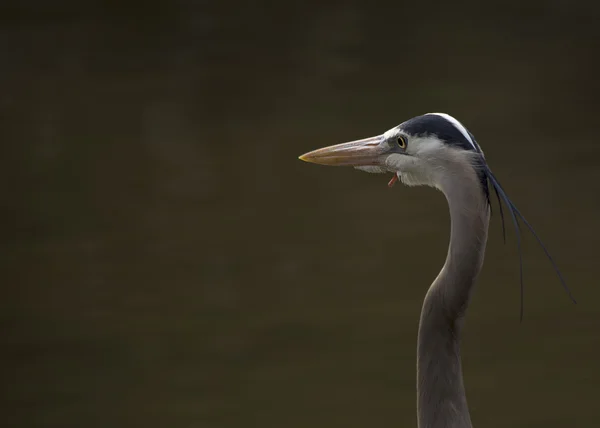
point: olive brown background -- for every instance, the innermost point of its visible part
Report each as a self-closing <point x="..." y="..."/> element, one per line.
<point x="169" y="262"/>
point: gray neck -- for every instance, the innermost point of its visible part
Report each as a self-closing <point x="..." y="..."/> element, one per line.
<point x="441" y="400"/>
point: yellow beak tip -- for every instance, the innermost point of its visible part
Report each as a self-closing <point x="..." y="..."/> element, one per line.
<point x="303" y="158"/>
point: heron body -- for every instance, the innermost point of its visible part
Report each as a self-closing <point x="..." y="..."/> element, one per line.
<point x="436" y="150"/>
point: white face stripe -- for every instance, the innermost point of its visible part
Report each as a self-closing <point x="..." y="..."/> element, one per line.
<point x="458" y="126"/>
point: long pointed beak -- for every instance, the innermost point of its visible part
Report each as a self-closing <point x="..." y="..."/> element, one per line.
<point x="364" y="152"/>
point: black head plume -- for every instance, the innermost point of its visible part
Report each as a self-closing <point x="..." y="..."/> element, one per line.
<point x="516" y="215"/>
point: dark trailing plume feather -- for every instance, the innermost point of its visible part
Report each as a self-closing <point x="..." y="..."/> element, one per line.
<point x="501" y="214"/>
<point x="515" y="216"/>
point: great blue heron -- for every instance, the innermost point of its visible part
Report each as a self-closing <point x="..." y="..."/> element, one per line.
<point x="436" y="150"/>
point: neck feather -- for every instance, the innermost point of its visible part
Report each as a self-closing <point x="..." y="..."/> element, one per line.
<point x="441" y="398"/>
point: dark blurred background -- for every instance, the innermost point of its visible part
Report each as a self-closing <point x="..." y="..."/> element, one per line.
<point x="169" y="262"/>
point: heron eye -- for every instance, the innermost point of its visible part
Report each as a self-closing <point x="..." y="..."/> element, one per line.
<point x="401" y="142"/>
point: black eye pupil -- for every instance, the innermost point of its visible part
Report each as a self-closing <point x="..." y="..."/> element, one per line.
<point x="401" y="142"/>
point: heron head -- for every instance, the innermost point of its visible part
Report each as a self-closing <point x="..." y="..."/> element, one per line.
<point x="433" y="149"/>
